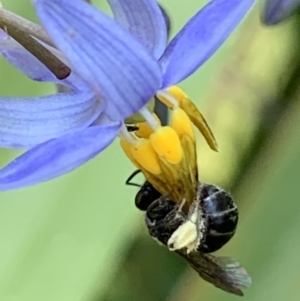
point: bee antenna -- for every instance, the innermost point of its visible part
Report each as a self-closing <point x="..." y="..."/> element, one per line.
<point x="128" y="181"/>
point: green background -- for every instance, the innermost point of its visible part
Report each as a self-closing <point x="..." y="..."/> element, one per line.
<point x="80" y="237"/>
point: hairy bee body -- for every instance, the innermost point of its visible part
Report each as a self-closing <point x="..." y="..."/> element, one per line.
<point x="209" y="223"/>
<point x="216" y="221"/>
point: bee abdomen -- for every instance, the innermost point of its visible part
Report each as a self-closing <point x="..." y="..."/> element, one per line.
<point x="220" y="216"/>
<point x="212" y="243"/>
<point x="220" y="229"/>
<point x="223" y="222"/>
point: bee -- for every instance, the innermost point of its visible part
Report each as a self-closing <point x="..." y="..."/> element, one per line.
<point x="146" y="195"/>
<point x="209" y="224"/>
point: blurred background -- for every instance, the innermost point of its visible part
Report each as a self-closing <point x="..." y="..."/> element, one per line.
<point x="80" y="238"/>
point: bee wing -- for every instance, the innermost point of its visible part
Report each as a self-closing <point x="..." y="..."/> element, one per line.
<point x="223" y="272"/>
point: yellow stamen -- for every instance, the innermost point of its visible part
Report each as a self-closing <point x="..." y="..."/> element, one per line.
<point x="143" y="154"/>
<point x="160" y="183"/>
<point x="177" y="93"/>
<point x="166" y="144"/>
<point x="168" y="99"/>
<point x="145" y="130"/>
<point x="126" y="148"/>
<point x="181" y="123"/>
<point x="183" y="177"/>
<point x="189" y="147"/>
<point x="173" y="176"/>
<point x="167" y="154"/>
<point x="192" y="111"/>
<point x="198" y="120"/>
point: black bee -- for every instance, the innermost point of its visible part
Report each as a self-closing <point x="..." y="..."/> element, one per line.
<point x="211" y="221"/>
<point x="209" y="224"/>
<point x="146" y="195"/>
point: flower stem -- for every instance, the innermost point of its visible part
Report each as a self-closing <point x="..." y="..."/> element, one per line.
<point x="11" y="25"/>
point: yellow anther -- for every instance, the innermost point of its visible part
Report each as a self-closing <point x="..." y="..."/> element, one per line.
<point x="145" y="130"/>
<point x="158" y="182"/>
<point x="181" y="123"/>
<point x="177" y="93"/>
<point x="166" y="143"/>
<point x="190" y="163"/>
<point x="198" y="120"/>
<point x="192" y="111"/>
<point x="143" y="154"/>
<point x="126" y="148"/>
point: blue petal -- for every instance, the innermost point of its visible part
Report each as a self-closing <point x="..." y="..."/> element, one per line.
<point x="113" y="63"/>
<point x="167" y="20"/>
<point x="144" y="19"/>
<point x="201" y="37"/>
<point x="25" y="122"/>
<point x="276" y="11"/>
<point x="23" y="60"/>
<point x="56" y="157"/>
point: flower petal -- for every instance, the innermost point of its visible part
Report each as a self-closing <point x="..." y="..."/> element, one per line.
<point x="108" y="58"/>
<point x="276" y="11"/>
<point x="25" y="122"/>
<point x="201" y="37"/>
<point x="145" y="20"/>
<point x="167" y="20"/>
<point x="23" y="60"/>
<point x="56" y="157"/>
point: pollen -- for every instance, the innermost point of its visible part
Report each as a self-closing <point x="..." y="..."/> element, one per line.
<point x="166" y="143"/>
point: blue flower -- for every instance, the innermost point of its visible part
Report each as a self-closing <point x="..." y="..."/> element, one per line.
<point x="275" y="11"/>
<point x="117" y="67"/>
